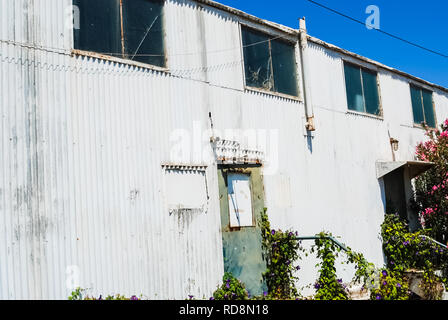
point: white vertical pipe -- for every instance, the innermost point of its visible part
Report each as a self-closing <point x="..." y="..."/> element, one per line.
<point x="303" y="41"/>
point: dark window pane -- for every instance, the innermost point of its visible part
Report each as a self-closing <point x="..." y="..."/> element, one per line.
<point x="99" y="30"/>
<point x="371" y="95"/>
<point x="143" y="31"/>
<point x="257" y="62"/>
<point x="428" y="108"/>
<point x="284" y="66"/>
<point x="354" y="88"/>
<point x="417" y="105"/>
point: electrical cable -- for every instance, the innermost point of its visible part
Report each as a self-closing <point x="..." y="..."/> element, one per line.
<point x="379" y="30"/>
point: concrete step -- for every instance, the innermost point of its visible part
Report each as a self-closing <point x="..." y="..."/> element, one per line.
<point x="415" y="281"/>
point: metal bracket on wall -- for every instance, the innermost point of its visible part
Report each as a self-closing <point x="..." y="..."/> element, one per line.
<point x="306" y="132"/>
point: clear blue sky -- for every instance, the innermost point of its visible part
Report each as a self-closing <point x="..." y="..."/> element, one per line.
<point x="422" y="22"/>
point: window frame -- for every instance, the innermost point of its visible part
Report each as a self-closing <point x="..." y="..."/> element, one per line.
<point x="167" y="167"/>
<point x="421" y="88"/>
<point x="123" y="60"/>
<point x="255" y="179"/>
<point x="368" y="69"/>
<point x="250" y="182"/>
<point x="269" y="33"/>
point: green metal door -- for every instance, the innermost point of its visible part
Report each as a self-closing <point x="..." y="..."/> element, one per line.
<point x="242" y="245"/>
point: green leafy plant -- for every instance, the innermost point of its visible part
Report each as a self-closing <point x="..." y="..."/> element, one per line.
<point x="81" y="294"/>
<point x="401" y="247"/>
<point x="392" y="286"/>
<point x="432" y="285"/>
<point x="119" y="297"/>
<point x="231" y="289"/>
<point x="281" y="251"/>
<point x="328" y="287"/>
<point x="364" y="270"/>
<point x="77" y="294"/>
<point x="407" y="251"/>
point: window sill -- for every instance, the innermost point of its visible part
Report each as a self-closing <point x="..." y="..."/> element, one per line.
<point x="76" y="52"/>
<point x="419" y="126"/>
<point x="273" y="93"/>
<point x="366" y="115"/>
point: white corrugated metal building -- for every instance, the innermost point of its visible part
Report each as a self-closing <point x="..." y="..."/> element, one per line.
<point x="93" y="190"/>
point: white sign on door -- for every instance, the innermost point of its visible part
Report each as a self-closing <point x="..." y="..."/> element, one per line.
<point x="240" y="200"/>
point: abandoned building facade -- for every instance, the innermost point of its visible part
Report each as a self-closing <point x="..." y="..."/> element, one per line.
<point x="140" y="140"/>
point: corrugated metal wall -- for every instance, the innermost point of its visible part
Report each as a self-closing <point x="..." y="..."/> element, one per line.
<point x="82" y="143"/>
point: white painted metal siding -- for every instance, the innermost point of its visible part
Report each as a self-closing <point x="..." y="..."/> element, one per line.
<point x="82" y="143"/>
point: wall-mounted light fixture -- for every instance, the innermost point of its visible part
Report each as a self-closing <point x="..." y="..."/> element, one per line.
<point x="394" y="143"/>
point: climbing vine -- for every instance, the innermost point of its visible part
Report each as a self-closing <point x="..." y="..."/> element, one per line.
<point x="364" y="270"/>
<point x="392" y="286"/>
<point x="328" y="287"/>
<point x="231" y="289"/>
<point x="281" y="252"/>
<point x="407" y="251"/>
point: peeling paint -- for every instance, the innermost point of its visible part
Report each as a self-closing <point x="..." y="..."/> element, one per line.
<point x="242" y="246"/>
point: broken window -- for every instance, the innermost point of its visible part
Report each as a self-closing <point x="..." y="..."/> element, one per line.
<point x="143" y="31"/>
<point x="269" y="64"/>
<point x="240" y="200"/>
<point x="422" y="106"/>
<point x="362" y="89"/>
<point x="131" y="29"/>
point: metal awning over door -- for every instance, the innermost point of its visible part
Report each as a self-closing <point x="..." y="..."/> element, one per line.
<point x="416" y="168"/>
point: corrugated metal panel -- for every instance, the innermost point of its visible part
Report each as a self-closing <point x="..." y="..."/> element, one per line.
<point x="81" y="184"/>
<point x="81" y="179"/>
<point x="82" y="142"/>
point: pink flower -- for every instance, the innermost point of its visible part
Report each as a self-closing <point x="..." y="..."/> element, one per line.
<point x="428" y="212"/>
<point x="421" y="156"/>
<point x="444" y="134"/>
<point x="435" y="188"/>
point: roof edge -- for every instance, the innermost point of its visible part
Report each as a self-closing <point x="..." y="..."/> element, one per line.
<point x="250" y="17"/>
<point x="295" y="32"/>
<point x="376" y="63"/>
